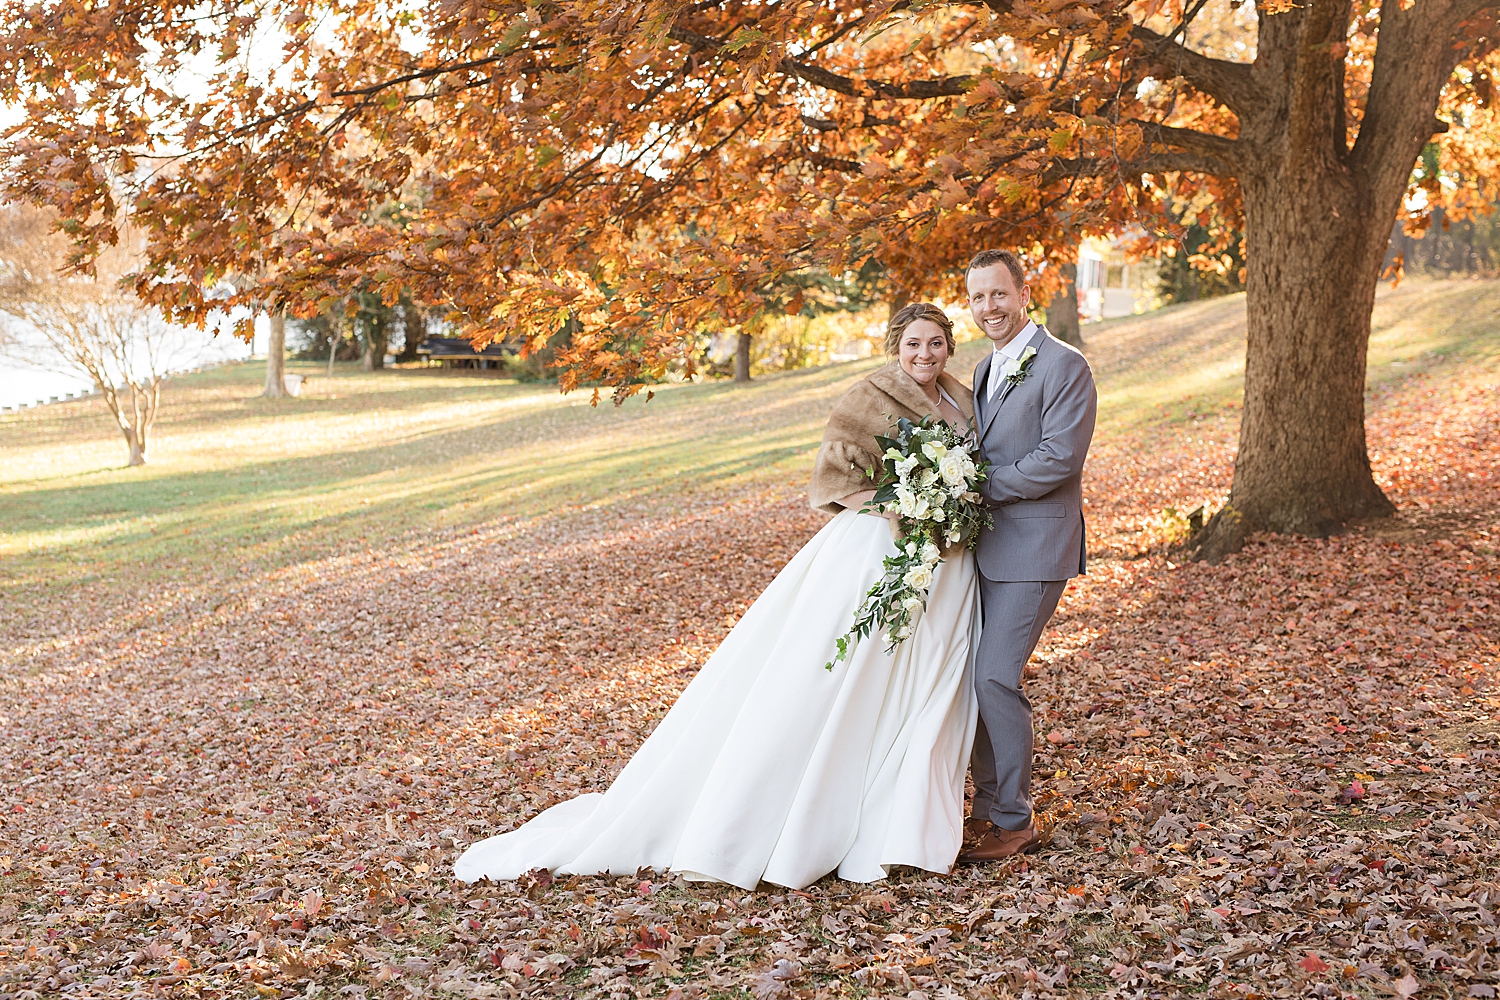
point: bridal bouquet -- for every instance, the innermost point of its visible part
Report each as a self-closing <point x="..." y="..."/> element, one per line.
<point x="929" y="476"/>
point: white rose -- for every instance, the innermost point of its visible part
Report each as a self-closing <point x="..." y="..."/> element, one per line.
<point x="938" y="513"/>
<point x="1011" y="368"/>
<point x="951" y="468"/>
<point x="904" y="633"/>
<point x="927" y="478"/>
<point x="918" y="578"/>
<point x="915" y="506"/>
<point x="931" y="554"/>
<point x="912" y="605"/>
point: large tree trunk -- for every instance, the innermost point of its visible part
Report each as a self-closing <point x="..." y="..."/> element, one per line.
<point x="742" y="358"/>
<point x="900" y="299"/>
<point x="376" y="338"/>
<point x="335" y="337"/>
<point x="276" y="356"/>
<point x="1314" y="256"/>
<point x="1318" y="217"/>
<point x="414" y="324"/>
<point x="1062" y="311"/>
<point x="1402" y="252"/>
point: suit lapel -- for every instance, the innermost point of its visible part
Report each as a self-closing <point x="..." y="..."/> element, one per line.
<point x="982" y="406"/>
<point x="993" y="407"/>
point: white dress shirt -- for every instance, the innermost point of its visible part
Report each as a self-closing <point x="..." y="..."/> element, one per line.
<point x="1010" y="352"/>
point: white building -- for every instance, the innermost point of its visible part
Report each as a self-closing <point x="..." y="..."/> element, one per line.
<point x="1109" y="285"/>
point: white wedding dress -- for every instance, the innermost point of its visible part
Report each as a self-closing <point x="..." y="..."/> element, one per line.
<point x="771" y="768"/>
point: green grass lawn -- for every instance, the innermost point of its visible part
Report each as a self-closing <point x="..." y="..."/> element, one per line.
<point x="236" y="481"/>
<point x="1187" y="360"/>
<point x="235" y="478"/>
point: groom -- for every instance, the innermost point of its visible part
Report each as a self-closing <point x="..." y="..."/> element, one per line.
<point x="1034" y="402"/>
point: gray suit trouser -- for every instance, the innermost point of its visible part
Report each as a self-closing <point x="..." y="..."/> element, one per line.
<point x="1014" y="616"/>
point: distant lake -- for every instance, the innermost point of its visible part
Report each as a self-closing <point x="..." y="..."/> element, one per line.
<point x="24" y="384"/>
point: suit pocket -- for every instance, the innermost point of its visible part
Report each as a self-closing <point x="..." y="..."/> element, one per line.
<point x="1035" y="508"/>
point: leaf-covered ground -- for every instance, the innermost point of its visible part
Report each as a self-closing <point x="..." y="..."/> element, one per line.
<point x="241" y="756"/>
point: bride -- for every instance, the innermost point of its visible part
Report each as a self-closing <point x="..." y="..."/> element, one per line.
<point x="769" y="767"/>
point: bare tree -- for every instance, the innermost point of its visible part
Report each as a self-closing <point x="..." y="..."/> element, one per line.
<point x="87" y="325"/>
<point x="111" y="340"/>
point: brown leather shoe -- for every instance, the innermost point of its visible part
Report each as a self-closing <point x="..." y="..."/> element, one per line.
<point x="999" y="844"/>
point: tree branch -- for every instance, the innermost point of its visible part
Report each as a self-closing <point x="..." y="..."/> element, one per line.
<point x="1227" y="82"/>
<point x="1193" y="163"/>
<point x="916" y="90"/>
<point x="1227" y="151"/>
<point x="1465" y="9"/>
<point x="1187" y="19"/>
<point x="367" y="93"/>
<point x="827" y="125"/>
<point x="832" y="162"/>
<point x="1414" y="58"/>
<point x="693" y="39"/>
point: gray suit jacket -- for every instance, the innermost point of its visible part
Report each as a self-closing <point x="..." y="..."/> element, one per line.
<point x="1036" y="435"/>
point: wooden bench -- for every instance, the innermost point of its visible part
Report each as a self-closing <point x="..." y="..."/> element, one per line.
<point x="456" y="352"/>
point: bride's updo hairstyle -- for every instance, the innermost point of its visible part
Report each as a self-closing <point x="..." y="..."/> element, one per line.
<point x="906" y="316"/>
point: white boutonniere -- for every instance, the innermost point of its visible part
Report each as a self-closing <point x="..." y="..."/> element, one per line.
<point x="1015" y="370"/>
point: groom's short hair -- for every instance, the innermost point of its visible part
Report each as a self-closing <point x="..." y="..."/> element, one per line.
<point x="989" y="258"/>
